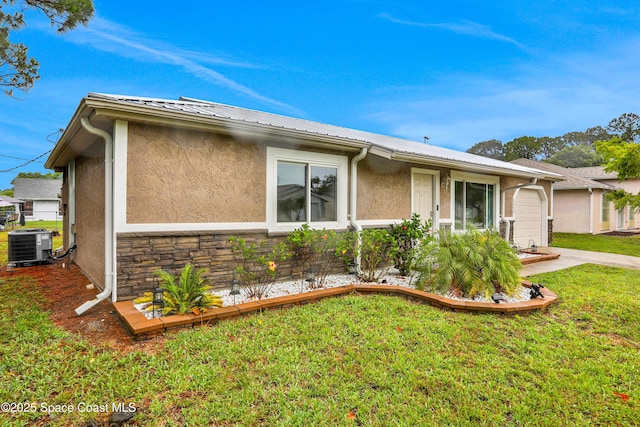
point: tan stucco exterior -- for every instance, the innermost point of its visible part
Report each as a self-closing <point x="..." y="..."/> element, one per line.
<point x="90" y="219"/>
<point x="384" y="189"/>
<point x="183" y="176"/>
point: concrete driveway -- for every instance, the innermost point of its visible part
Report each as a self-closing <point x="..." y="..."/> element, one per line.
<point x="572" y="257"/>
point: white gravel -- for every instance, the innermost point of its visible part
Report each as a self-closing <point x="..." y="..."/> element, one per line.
<point x="293" y="287"/>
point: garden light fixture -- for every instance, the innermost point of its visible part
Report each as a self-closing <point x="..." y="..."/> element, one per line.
<point x="353" y="268"/>
<point x="235" y="289"/>
<point x="158" y="299"/>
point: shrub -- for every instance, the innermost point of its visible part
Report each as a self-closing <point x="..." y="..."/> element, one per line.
<point x="407" y="236"/>
<point x="469" y="264"/>
<point x="187" y="295"/>
<point x="314" y="250"/>
<point x="376" y="247"/>
<point x="257" y="271"/>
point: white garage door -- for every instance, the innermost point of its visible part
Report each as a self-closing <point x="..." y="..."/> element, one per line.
<point x="529" y="218"/>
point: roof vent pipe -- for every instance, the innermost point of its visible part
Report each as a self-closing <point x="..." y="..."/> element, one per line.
<point x="108" y="213"/>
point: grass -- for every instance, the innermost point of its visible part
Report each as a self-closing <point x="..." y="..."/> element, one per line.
<point x="357" y="360"/>
<point x="595" y="242"/>
<point x="49" y="225"/>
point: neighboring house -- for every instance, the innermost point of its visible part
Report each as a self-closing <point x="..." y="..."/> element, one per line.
<point x="620" y="219"/>
<point x="580" y="203"/>
<point x="154" y="184"/>
<point x="41" y="198"/>
<point x="9" y="210"/>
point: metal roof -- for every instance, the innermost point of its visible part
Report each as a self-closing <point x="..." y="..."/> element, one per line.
<point x="194" y="110"/>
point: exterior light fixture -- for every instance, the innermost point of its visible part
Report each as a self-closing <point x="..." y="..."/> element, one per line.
<point x="235" y="289"/>
<point x="158" y="299"/>
<point x="353" y="267"/>
<point x="310" y="277"/>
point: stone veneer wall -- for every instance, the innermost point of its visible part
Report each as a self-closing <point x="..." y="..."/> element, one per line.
<point x="549" y="232"/>
<point x="140" y="255"/>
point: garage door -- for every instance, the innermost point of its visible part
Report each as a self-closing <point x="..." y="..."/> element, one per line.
<point x="529" y="218"/>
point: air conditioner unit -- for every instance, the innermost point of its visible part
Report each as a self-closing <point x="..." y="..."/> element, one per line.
<point x="28" y="246"/>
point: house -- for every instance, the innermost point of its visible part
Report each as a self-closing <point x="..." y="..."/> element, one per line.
<point x="41" y="198"/>
<point x="580" y="203"/>
<point x="154" y="184"/>
<point x="619" y="219"/>
<point x="9" y="210"/>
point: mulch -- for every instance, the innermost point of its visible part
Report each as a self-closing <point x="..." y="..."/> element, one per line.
<point x="65" y="288"/>
<point x="622" y="233"/>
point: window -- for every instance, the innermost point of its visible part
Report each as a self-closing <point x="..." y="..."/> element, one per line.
<point x="605" y="211"/>
<point x="28" y="209"/>
<point x="305" y="188"/>
<point x="474" y="201"/>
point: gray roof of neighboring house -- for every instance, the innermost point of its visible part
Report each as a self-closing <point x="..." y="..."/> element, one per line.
<point x="197" y="111"/>
<point x="11" y="199"/>
<point x="594" y="172"/>
<point x="37" y="188"/>
<point x="572" y="181"/>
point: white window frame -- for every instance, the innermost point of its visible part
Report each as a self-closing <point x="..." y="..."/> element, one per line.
<point x="341" y="163"/>
<point x="478" y="179"/>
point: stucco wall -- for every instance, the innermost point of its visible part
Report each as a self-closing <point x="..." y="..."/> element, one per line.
<point x="571" y="211"/>
<point x="384" y="189"/>
<point x="184" y="176"/>
<point x="90" y="212"/>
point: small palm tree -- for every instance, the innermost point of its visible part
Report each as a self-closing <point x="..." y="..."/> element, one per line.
<point x="470" y="264"/>
<point x="188" y="295"/>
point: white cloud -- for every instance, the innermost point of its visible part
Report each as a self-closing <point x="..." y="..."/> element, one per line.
<point x="117" y="39"/>
<point x="463" y="27"/>
<point x="548" y="98"/>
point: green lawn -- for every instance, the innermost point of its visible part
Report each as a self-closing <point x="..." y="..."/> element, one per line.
<point x="599" y="243"/>
<point x="357" y="360"/>
<point x="49" y="225"/>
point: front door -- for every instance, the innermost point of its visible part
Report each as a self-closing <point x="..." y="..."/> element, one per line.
<point x="423" y="196"/>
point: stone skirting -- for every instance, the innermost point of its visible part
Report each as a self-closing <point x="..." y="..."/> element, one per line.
<point x="143" y="328"/>
<point x="140" y="255"/>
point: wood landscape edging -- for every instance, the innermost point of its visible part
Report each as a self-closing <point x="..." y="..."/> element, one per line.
<point x="141" y="327"/>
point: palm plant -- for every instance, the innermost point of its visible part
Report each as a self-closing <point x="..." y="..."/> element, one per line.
<point x="186" y="295"/>
<point x="470" y="264"/>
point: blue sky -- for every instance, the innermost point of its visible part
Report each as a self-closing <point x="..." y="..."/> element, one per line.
<point x="459" y="72"/>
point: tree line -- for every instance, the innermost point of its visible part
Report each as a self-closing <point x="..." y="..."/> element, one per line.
<point x="571" y="150"/>
<point x="616" y="148"/>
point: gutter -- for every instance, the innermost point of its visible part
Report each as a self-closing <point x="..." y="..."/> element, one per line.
<point x="353" y="199"/>
<point x="108" y="213"/>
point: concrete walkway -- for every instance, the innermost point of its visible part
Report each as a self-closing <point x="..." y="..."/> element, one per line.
<point x="572" y="257"/>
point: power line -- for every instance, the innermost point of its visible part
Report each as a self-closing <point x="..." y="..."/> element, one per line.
<point x="17" y="158"/>
<point x="26" y="163"/>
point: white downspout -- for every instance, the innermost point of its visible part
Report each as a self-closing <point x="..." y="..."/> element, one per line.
<point x="108" y="213"/>
<point x="590" y="210"/>
<point x="353" y="197"/>
<point x="71" y="203"/>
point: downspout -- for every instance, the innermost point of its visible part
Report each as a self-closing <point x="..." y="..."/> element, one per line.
<point x="353" y="198"/>
<point x="108" y="213"/>
<point x="590" y="210"/>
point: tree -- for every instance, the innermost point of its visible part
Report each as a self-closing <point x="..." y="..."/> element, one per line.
<point x="622" y="155"/>
<point x="527" y="147"/>
<point x="7" y="192"/>
<point x="627" y="126"/>
<point x="48" y="175"/>
<point x="576" y="156"/>
<point x="492" y="148"/>
<point x="17" y="69"/>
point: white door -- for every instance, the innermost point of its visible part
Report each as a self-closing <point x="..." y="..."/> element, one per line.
<point x="423" y="195"/>
<point x="529" y="218"/>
